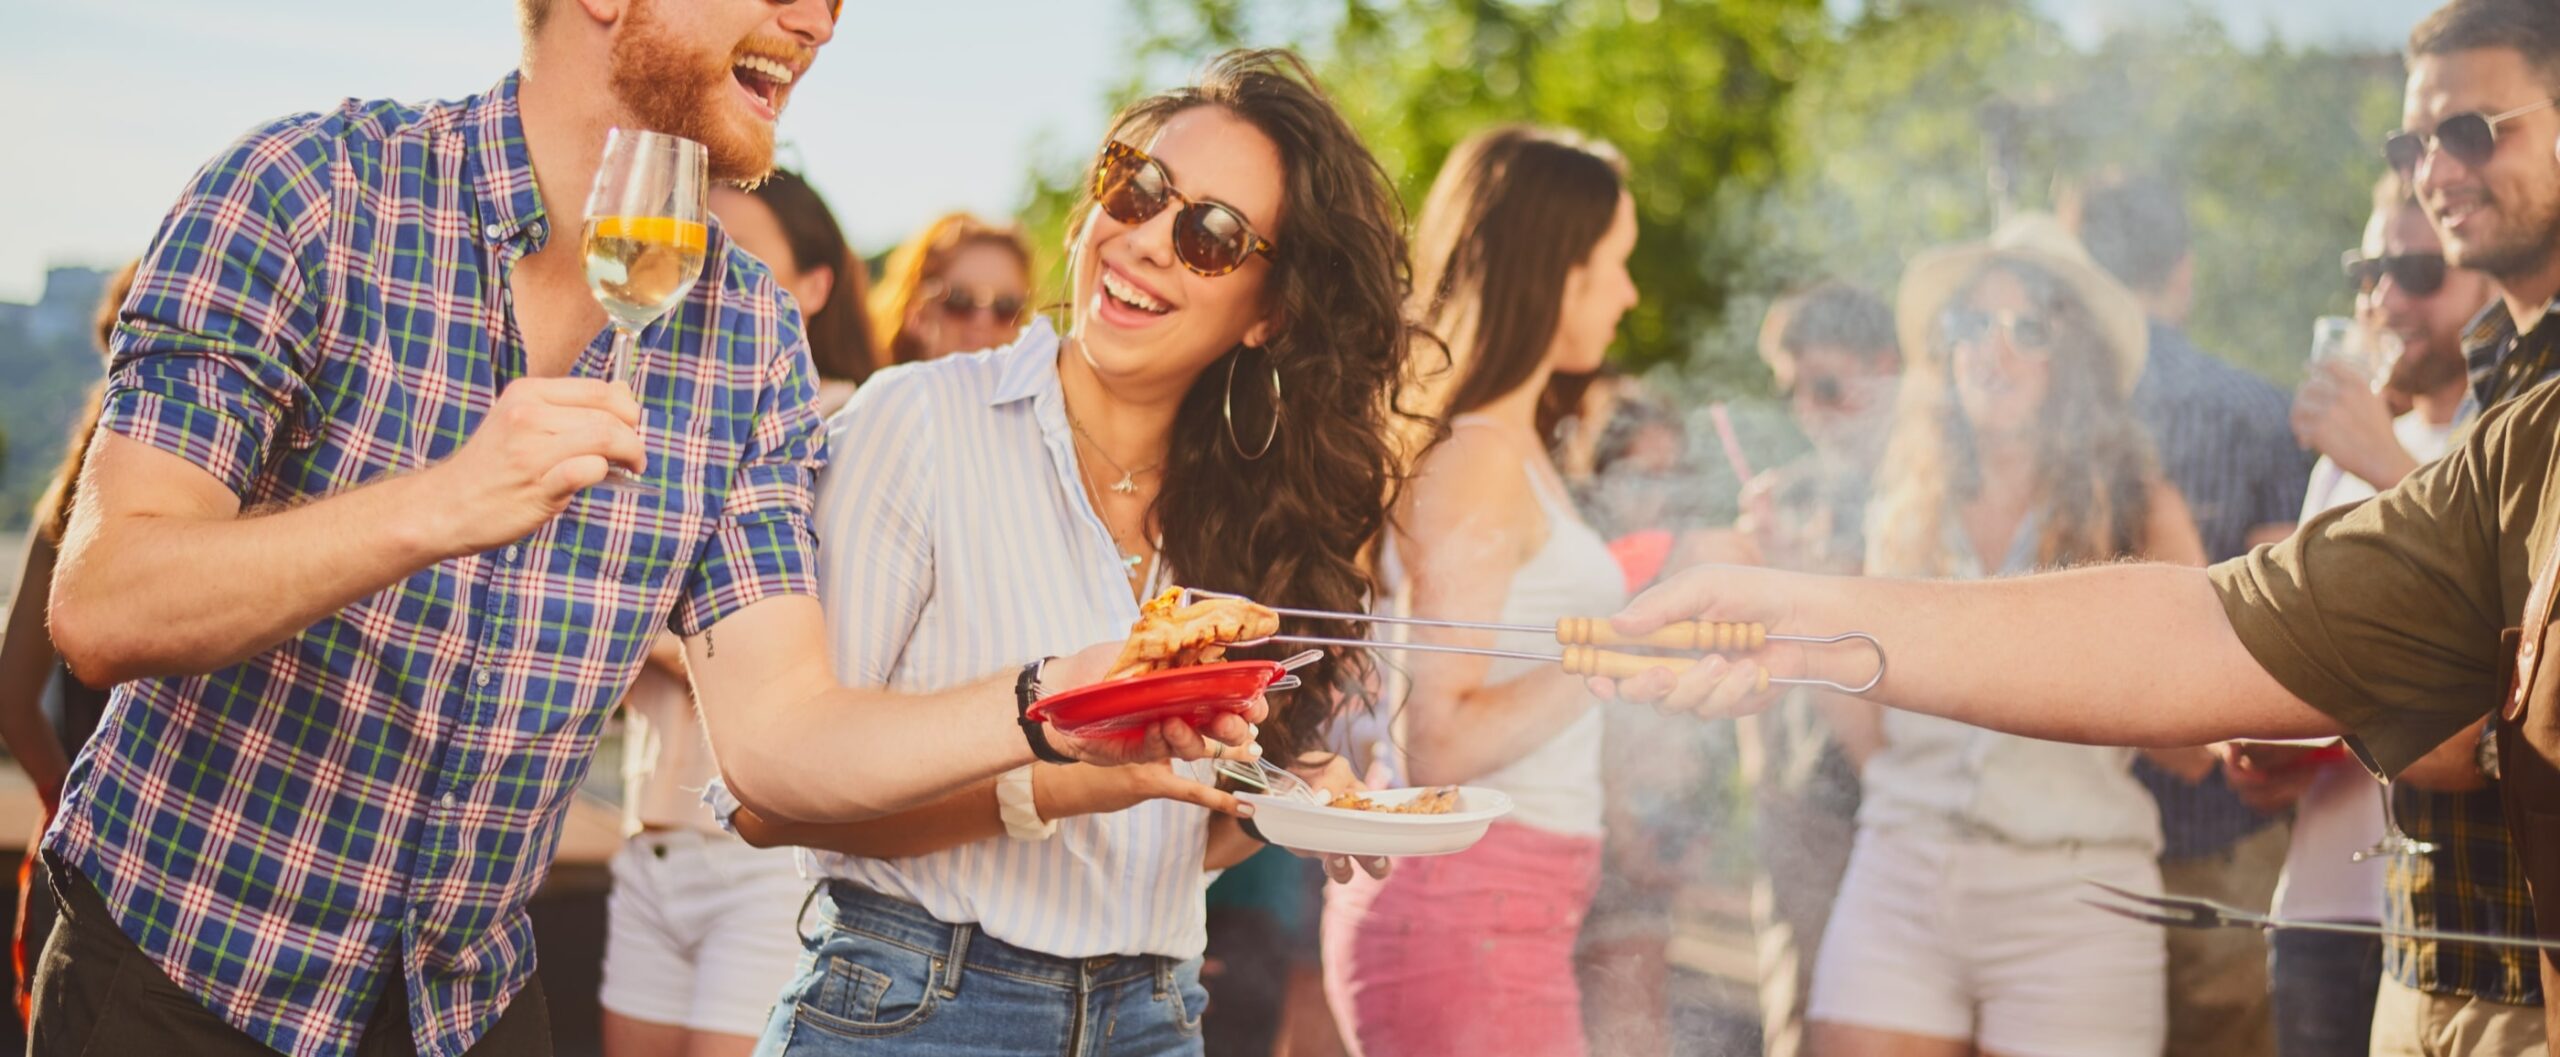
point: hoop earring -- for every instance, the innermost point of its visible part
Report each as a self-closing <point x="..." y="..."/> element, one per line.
<point x="1230" y="408"/>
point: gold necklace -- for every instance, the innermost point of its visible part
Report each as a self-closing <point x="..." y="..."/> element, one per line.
<point x="1128" y="481"/>
<point x="1130" y="562"/>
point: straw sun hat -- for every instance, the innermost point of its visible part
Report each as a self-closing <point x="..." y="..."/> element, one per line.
<point x="2036" y="239"/>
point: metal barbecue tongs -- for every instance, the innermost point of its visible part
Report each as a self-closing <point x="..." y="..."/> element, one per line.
<point x="2188" y="913"/>
<point x="1582" y="639"/>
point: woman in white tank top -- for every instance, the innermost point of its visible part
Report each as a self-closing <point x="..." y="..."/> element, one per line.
<point x="1522" y="261"/>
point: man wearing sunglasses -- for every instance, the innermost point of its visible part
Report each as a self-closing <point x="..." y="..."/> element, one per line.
<point x="338" y="551"/>
<point x="1832" y="349"/>
<point x="2401" y="620"/>
<point x="2327" y="998"/>
<point x="2476" y="143"/>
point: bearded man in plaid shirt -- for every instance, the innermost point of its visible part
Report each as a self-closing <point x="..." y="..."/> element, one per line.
<point x="338" y="551"/>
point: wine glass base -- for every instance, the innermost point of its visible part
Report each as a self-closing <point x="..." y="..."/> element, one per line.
<point x="2393" y="847"/>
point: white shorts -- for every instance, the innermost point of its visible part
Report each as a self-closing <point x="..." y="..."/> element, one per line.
<point x="702" y="931"/>
<point x="1990" y="942"/>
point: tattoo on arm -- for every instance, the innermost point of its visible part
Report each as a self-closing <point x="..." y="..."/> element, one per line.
<point x="709" y="648"/>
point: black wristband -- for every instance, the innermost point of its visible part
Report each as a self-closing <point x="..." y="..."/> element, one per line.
<point x="1026" y="689"/>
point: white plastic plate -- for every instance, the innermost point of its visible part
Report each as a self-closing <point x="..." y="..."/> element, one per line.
<point x="1342" y="831"/>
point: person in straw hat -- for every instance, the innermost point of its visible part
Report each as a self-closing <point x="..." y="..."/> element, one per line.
<point x="2015" y="448"/>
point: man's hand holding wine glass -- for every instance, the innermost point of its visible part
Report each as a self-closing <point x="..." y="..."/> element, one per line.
<point x="545" y="440"/>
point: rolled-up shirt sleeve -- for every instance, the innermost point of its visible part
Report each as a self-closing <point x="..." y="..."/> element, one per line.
<point x="208" y="357"/>
<point x="2386" y="615"/>
<point x="762" y="544"/>
<point x="724" y="807"/>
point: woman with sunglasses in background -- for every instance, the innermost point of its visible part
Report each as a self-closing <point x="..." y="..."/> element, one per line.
<point x="697" y="935"/>
<point x="960" y="285"/>
<point x="1959" y="927"/>
<point x="1215" y="416"/>
<point x="1523" y="246"/>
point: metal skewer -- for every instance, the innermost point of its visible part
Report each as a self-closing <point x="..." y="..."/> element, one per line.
<point x="1708" y="636"/>
<point x="1577" y="660"/>
<point x="1581" y="637"/>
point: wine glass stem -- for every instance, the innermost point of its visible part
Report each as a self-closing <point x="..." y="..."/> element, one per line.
<point x="625" y="344"/>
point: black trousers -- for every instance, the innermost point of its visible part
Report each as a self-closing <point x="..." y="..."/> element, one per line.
<point x="98" y="995"/>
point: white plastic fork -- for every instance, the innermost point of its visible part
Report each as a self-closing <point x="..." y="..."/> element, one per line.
<point x="1273" y="779"/>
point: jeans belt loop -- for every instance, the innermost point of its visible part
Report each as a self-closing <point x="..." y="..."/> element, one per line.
<point x="956" y="958"/>
<point x="800" y="922"/>
<point x="1164" y="978"/>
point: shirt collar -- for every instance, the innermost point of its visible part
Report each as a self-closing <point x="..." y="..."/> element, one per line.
<point x="1030" y="369"/>
<point x="501" y="169"/>
<point x="2487" y="331"/>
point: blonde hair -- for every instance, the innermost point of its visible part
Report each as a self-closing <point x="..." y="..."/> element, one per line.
<point x="2093" y="462"/>
<point x="922" y="260"/>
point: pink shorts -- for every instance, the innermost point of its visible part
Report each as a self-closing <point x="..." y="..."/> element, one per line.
<point x="1468" y="953"/>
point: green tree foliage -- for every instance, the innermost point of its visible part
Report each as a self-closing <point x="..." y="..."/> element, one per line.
<point x="1770" y="141"/>
<point x="2275" y="147"/>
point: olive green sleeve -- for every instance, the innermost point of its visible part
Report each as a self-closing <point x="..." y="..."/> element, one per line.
<point x="2386" y="615"/>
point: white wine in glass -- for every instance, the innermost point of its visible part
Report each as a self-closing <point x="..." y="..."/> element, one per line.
<point x="645" y="241"/>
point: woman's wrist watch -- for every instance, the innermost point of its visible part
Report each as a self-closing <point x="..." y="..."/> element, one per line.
<point x="2485" y="755"/>
<point x="1026" y="691"/>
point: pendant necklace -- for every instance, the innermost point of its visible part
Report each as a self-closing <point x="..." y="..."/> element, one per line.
<point x="1128" y="481"/>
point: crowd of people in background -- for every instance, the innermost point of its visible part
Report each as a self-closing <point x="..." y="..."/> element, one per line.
<point x="1256" y="383"/>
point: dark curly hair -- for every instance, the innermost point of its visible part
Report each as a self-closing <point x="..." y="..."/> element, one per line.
<point x="1296" y="527"/>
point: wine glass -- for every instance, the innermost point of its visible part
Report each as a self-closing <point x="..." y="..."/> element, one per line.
<point x="645" y="240"/>
<point x="2394" y="840"/>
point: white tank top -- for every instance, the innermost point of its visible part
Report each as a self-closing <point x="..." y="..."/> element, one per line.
<point x="1556" y="786"/>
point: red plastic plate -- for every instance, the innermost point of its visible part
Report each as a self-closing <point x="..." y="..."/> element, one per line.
<point x="1129" y="706"/>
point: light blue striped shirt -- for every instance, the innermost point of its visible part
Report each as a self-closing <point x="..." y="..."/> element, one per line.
<point x="955" y="543"/>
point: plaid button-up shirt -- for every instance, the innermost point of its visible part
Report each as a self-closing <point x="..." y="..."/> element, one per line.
<point x="327" y="306"/>
<point x="2472" y="882"/>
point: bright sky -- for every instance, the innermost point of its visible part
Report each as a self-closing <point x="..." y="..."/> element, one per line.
<point x="915" y="109"/>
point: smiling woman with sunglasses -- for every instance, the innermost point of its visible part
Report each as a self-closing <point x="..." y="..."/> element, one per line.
<point x="1214" y="416"/>
<point x="2015" y="448"/>
<point x="960" y="285"/>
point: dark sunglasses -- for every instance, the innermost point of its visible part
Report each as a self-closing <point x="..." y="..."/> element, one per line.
<point x="2421" y="274"/>
<point x="2469" y="138"/>
<point x="962" y="304"/>
<point x="2030" y="335"/>
<point x="1209" y="238"/>
<point x="1825" y="390"/>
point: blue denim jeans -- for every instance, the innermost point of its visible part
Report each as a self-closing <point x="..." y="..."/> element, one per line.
<point x="884" y="977"/>
<point x="2324" y="985"/>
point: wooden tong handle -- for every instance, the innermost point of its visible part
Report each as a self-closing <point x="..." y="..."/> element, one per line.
<point x="1696" y="635"/>
<point x="1586" y="660"/>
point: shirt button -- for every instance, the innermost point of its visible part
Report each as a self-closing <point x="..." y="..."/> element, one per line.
<point x="448" y="801"/>
<point x="494" y="232"/>
<point x="514" y="553"/>
<point x="481" y="679"/>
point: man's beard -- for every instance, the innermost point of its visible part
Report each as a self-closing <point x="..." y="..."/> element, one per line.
<point x="668" y="88"/>
<point x="2422" y="371"/>
<point x="2525" y="247"/>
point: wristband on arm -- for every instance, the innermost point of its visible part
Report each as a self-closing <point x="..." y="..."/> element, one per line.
<point x="1026" y="689"/>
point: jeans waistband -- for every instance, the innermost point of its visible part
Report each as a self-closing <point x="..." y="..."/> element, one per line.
<point x="888" y="919"/>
